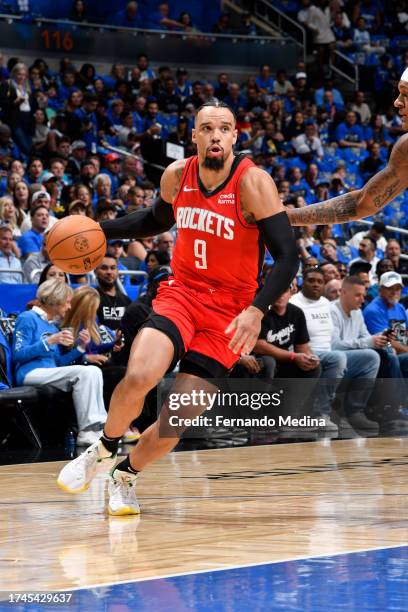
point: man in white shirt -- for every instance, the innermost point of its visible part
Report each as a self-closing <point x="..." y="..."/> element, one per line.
<point x="366" y="252"/>
<point x="316" y="309"/>
<point x="350" y="335"/>
<point x="376" y="231"/>
<point x="310" y="139"/>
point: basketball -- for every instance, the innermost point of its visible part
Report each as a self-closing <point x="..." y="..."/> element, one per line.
<point x="76" y="244"/>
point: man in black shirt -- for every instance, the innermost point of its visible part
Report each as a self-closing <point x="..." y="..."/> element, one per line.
<point x="283" y="342"/>
<point x="113" y="302"/>
<point x="283" y="346"/>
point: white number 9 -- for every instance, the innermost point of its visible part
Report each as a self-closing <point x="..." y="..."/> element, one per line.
<point x="200" y="252"/>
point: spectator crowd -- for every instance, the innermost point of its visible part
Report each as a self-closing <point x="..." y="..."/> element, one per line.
<point x="75" y="141"/>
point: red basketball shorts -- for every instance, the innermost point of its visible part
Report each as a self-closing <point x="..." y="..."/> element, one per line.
<point x="201" y="317"/>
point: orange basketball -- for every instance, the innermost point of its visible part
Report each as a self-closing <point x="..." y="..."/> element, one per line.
<point x="76" y="244"/>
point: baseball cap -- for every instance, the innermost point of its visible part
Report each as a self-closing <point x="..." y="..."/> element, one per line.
<point x="78" y="144"/>
<point x="48" y="176"/>
<point x="301" y="75"/>
<point x="116" y="241"/>
<point x="40" y="194"/>
<point x="388" y="279"/>
<point x="111" y="157"/>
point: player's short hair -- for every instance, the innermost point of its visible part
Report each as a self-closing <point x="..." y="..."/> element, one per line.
<point x="216" y="103"/>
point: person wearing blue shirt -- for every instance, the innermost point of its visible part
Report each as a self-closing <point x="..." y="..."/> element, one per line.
<point x="338" y="100"/>
<point x="129" y="17"/>
<point x="32" y="241"/>
<point x="39" y="360"/>
<point x="8" y="259"/>
<point x="385" y="313"/>
<point x="349" y="133"/>
<point x="264" y="80"/>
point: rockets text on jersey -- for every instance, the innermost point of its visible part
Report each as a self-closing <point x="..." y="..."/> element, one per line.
<point x="216" y="247"/>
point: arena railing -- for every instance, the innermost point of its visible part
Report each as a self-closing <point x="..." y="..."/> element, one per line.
<point x="8" y="271"/>
<point x="341" y="64"/>
<point x="264" y="10"/>
<point x="69" y="37"/>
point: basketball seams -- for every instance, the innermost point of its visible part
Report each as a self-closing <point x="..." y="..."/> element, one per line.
<point x="84" y="231"/>
<point x="79" y="256"/>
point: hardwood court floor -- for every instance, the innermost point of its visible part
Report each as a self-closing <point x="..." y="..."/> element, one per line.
<point x="205" y="510"/>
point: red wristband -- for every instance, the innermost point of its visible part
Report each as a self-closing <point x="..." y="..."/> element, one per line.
<point x="292" y="356"/>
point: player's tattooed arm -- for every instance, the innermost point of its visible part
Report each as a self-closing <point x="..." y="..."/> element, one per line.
<point x="378" y="191"/>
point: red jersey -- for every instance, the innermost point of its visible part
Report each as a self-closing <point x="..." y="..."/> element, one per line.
<point x="215" y="246"/>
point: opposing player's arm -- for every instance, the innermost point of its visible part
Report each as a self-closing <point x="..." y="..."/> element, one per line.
<point x="260" y="204"/>
<point x="364" y="202"/>
<point x="155" y="219"/>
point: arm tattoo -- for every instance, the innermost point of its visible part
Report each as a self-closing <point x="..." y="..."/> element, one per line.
<point x="337" y="210"/>
<point x="178" y="173"/>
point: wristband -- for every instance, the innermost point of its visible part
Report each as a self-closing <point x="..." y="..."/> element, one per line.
<point x="292" y="356"/>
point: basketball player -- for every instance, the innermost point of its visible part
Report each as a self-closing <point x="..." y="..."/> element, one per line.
<point x="379" y="190"/>
<point x="225" y="208"/>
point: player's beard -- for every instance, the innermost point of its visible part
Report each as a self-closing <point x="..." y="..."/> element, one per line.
<point x="214" y="163"/>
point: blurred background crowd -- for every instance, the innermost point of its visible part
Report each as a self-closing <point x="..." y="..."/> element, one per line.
<point x="76" y="141"/>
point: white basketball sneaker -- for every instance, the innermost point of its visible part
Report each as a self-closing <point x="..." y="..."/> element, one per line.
<point x="122" y="494"/>
<point x="77" y="475"/>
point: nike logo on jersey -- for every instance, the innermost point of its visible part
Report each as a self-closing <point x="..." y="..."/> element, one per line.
<point x="189" y="188"/>
<point x="205" y="221"/>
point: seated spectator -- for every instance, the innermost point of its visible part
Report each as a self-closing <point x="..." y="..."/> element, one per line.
<point x="386" y="314"/>
<point x="223" y="25"/>
<point x="9" y="215"/>
<point x="361" y="269"/>
<point x="165" y="243"/>
<point x="129" y="17"/>
<point x="349" y="134"/>
<point x="113" y="301"/>
<point x="283" y="342"/>
<point x="38" y="358"/>
<point x="78" y="11"/>
<point x="376" y="232"/>
<point x="282" y="85"/>
<point x="310" y="139"/>
<point x="361" y="107"/>
<point x="316" y="309"/>
<point x="373" y="162"/>
<point x="342" y="33"/>
<point x="105" y="209"/>
<point x="362" y="39"/>
<point x="393" y="252"/>
<point x="332" y="289"/>
<point x="32" y="241"/>
<point x="383" y="266"/>
<point x="8" y="150"/>
<point x="8" y="260"/>
<point x="83" y="315"/>
<point x="18" y="105"/>
<point x="161" y="20"/>
<point x="77" y="207"/>
<point x="350" y="335"/>
<point x="40" y="199"/>
<point x="155" y="259"/>
<point x="21" y="196"/>
<point x="247" y="27"/>
<point x="366" y="253"/>
<point x="49" y="272"/>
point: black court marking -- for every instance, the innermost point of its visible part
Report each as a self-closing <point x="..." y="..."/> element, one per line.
<point x="317" y="469"/>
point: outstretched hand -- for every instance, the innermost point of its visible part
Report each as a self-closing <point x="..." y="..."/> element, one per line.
<point x="247" y="326"/>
